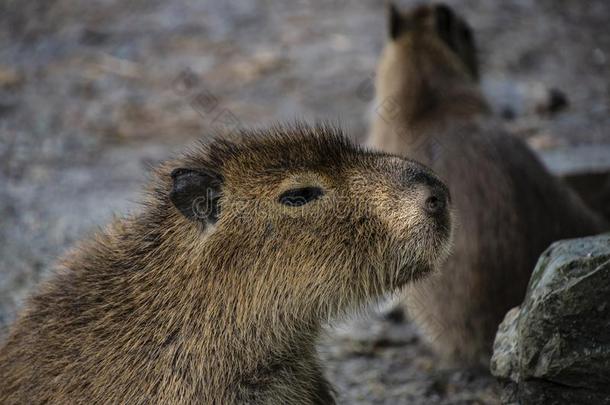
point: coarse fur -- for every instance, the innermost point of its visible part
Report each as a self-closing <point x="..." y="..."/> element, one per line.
<point x="508" y="207"/>
<point x="163" y="308"/>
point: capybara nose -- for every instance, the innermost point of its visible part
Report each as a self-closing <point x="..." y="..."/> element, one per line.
<point x="436" y="200"/>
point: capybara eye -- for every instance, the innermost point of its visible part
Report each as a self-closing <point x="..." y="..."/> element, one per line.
<point x="300" y="196"/>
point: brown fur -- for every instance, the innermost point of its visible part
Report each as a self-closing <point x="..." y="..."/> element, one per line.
<point x="158" y="308"/>
<point x="508" y="207"/>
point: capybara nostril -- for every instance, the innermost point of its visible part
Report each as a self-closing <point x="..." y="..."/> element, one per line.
<point x="433" y="204"/>
<point x="436" y="202"/>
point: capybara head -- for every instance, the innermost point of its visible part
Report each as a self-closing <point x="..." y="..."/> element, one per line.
<point x="304" y="216"/>
<point x="437" y="27"/>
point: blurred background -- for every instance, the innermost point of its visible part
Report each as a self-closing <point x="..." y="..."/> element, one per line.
<point x="94" y="92"/>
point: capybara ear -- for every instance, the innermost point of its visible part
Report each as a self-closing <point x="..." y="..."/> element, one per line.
<point x="397" y="24"/>
<point x="196" y="193"/>
<point x="445" y="21"/>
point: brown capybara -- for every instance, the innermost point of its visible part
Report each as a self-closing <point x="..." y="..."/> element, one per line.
<point x="216" y="291"/>
<point x="508" y="207"/>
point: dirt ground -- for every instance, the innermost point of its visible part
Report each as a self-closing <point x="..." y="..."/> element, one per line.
<point x="94" y="92"/>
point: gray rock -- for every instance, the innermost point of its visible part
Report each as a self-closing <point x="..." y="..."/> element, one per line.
<point x="555" y="348"/>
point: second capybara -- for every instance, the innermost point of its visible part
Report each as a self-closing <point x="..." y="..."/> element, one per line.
<point x="508" y="207"/>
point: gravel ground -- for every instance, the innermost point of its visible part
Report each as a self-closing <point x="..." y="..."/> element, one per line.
<point x="94" y="92"/>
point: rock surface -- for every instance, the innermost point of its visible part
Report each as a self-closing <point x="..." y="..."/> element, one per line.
<point x="555" y="348"/>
